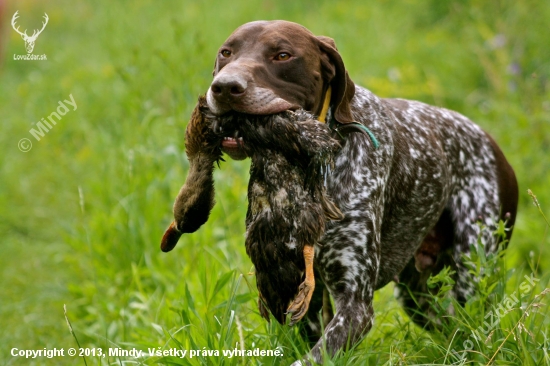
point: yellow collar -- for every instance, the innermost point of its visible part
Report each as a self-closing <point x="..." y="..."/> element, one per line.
<point x="323" y="115"/>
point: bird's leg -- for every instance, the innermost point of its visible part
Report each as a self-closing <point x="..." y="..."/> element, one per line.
<point x="299" y="306"/>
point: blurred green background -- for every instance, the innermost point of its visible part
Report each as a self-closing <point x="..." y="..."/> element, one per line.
<point x="82" y="212"/>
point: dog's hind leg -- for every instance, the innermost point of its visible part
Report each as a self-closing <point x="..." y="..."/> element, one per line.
<point x="486" y="190"/>
<point x="414" y="295"/>
<point x="412" y="290"/>
<point x="475" y="203"/>
<point x="475" y="210"/>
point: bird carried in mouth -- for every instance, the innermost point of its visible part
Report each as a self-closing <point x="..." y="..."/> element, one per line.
<point x="288" y="205"/>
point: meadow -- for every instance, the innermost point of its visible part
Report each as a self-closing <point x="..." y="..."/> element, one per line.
<point x="83" y="211"/>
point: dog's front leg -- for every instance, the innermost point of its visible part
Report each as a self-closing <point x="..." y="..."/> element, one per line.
<point x="352" y="321"/>
<point x="349" y="262"/>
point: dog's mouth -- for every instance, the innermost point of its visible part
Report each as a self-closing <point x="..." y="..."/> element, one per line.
<point x="230" y="128"/>
<point x="234" y="146"/>
<point x="232" y="143"/>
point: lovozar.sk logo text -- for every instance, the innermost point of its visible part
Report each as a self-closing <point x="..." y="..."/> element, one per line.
<point x="29" y="40"/>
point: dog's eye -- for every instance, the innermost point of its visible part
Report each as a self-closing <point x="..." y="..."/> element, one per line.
<point x="225" y="53"/>
<point x="283" y="56"/>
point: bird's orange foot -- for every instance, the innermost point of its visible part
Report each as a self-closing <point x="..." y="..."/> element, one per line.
<point x="299" y="306"/>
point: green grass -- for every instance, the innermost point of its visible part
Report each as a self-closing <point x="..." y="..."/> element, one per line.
<point x="82" y="213"/>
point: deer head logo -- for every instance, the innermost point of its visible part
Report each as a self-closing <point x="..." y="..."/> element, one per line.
<point x="29" y="40"/>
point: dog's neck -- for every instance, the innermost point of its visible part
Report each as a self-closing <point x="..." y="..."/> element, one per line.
<point x="341" y="130"/>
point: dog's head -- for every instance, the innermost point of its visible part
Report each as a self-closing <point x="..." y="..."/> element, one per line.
<point x="267" y="67"/>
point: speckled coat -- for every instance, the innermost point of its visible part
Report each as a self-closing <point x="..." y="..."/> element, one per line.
<point x="434" y="168"/>
<point x="410" y="206"/>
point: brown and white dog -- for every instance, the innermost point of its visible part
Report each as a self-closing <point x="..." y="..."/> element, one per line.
<point x="410" y="206"/>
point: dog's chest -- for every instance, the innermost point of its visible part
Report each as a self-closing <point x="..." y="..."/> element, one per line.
<point x="426" y="154"/>
<point x="404" y="182"/>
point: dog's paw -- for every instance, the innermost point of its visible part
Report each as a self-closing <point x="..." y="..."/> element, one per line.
<point x="299" y="306"/>
<point x="303" y="362"/>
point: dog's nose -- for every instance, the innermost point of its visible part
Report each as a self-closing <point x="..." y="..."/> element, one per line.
<point x="228" y="87"/>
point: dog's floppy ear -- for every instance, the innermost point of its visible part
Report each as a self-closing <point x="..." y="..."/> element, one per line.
<point x="334" y="72"/>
